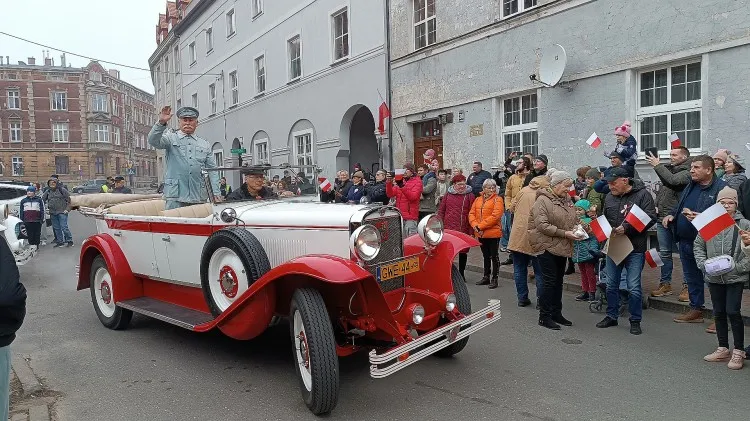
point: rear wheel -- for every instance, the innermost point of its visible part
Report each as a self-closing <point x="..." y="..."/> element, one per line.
<point x="463" y="302"/>
<point x="314" y="350"/>
<point x="102" y="296"/>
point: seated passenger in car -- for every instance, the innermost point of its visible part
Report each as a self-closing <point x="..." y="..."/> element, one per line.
<point x="253" y="188"/>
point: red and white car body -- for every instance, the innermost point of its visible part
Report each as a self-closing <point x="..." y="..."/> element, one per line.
<point x="342" y="274"/>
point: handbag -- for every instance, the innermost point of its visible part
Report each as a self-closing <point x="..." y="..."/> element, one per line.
<point x="721" y="265"/>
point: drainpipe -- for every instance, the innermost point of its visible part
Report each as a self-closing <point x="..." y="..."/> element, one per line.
<point x="388" y="81"/>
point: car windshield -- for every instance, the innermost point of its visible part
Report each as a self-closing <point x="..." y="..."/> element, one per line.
<point x="268" y="183"/>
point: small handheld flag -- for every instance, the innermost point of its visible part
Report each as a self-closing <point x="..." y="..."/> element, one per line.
<point x="637" y="218"/>
<point x="325" y="185"/>
<point x="594" y="141"/>
<point x="675" y="141"/>
<point x="572" y="191"/>
<point x="653" y="259"/>
<point x="601" y="228"/>
<point x="712" y="221"/>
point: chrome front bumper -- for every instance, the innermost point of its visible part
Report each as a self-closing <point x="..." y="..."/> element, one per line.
<point x="398" y="358"/>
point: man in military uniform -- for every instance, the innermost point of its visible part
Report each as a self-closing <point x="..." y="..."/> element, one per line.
<point x="186" y="155"/>
<point x="252" y="188"/>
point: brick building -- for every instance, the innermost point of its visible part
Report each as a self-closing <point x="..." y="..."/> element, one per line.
<point x="81" y="123"/>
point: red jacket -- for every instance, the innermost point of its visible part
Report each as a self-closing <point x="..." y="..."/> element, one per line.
<point x="407" y="197"/>
<point x="454" y="210"/>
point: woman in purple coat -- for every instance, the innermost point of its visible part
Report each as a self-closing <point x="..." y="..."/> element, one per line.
<point x="454" y="211"/>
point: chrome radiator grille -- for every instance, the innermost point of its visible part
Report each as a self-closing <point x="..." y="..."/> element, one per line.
<point x="392" y="246"/>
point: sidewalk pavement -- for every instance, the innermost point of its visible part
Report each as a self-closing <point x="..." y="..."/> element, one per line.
<point x="649" y="281"/>
<point x="29" y="401"/>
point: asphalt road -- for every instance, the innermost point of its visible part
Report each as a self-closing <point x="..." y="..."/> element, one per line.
<point x="512" y="370"/>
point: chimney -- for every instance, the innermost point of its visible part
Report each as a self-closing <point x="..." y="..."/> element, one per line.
<point x="114" y="73"/>
<point x="62" y="60"/>
<point x="32" y="61"/>
<point x="48" y="61"/>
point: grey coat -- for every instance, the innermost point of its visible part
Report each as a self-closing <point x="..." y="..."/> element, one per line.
<point x="734" y="180"/>
<point x="674" y="178"/>
<point x="720" y="245"/>
<point x="57" y="200"/>
<point x="427" y="202"/>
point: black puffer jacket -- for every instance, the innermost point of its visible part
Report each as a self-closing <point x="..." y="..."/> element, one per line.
<point x="244" y="194"/>
<point x="376" y="192"/>
<point x="617" y="207"/>
<point x="12" y="296"/>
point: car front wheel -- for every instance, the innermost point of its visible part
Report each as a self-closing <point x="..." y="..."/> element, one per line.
<point x="316" y="362"/>
<point x="102" y="296"/>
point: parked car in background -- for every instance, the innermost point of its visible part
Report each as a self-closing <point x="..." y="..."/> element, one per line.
<point x="11" y="195"/>
<point x="90" y="186"/>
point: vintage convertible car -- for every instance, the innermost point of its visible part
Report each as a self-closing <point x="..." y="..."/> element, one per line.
<point x="343" y="275"/>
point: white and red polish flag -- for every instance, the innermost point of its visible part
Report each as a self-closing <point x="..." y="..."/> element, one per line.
<point x="653" y="259"/>
<point x="601" y="228"/>
<point x="675" y="141"/>
<point x="572" y="190"/>
<point x="712" y="221"/>
<point x="325" y="185"/>
<point x="637" y="218"/>
<point x="594" y="141"/>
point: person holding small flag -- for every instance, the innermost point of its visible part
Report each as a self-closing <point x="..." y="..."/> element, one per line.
<point x="697" y="196"/>
<point x="726" y="270"/>
<point x="629" y="208"/>
<point x="674" y="177"/>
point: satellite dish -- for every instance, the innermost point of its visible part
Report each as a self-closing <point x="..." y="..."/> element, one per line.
<point x="552" y="65"/>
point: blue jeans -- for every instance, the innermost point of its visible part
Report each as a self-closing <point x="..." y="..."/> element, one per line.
<point x="666" y="248"/>
<point x="693" y="275"/>
<point x="4" y="381"/>
<point x="507" y="222"/>
<point x="60" y="226"/>
<point x="634" y="265"/>
<point x="521" y="273"/>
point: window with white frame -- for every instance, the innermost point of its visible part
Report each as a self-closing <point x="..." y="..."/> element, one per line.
<point x="194" y="100"/>
<point x="519" y="132"/>
<point x="212" y="97"/>
<point x="116" y="135"/>
<point x="167" y="70"/>
<point x="17" y="163"/>
<point x="193" y="55"/>
<point x="176" y="59"/>
<point x="670" y="102"/>
<point x="60" y="132"/>
<point x="234" y="86"/>
<point x="219" y="159"/>
<point x="115" y="107"/>
<point x="99" y="103"/>
<point x="14" y="99"/>
<point x="101" y="133"/>
<point x="260" y="74"/>
<point x="511" y="7"/>
<point x="303" y="149"/>
<point x="230" y="23"/>
<point x="209" y="40"/>
<point x="294" y="49"/>
<point x="257" y="7"/>
<point x="59" y="101"/>
<point x="14" y="128"/>
<point x="261" y="151"/>
<point x="425" y="30"/>
<point x="340" y="25"/>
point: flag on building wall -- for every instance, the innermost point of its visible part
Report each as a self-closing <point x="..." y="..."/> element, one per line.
<point x="383" y="113"/>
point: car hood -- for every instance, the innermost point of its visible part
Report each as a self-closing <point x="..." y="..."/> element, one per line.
<point x="299" y="214"/>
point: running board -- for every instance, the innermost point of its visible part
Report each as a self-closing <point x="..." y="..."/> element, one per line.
<point x="167" y="312"/>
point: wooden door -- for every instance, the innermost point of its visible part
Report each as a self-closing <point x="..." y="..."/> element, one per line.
<point x="428" y="135"/>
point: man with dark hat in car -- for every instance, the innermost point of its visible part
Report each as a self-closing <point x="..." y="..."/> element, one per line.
<point x="252" y="188"/>
<point x="120" y="186"/>
<point x="186" y="156"/>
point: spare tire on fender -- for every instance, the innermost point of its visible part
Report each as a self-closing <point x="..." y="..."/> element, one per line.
<point x="231" y="261"/>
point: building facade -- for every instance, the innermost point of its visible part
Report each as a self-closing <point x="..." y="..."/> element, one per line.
<point x="298" y="82"/>
<point x="461" y="77"/>
<point x="74" y="122"/>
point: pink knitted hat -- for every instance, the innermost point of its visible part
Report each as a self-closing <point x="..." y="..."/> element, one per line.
<point x="623" y="130"/>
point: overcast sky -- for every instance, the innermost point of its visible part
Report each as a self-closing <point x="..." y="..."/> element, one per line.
<point x="121" y="32"/>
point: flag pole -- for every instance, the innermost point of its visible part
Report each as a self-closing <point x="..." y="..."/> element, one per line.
<point x="388" y="86"/>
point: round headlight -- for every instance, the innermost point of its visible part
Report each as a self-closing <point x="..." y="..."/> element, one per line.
<point x="417" y="314"/>
<point x="365" y="242"/>
<point x="450" y="301"/>
<point x="430" y="228"/>
<point x="228" y="215"/>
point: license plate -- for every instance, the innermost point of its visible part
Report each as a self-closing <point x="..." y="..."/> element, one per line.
<point x="400" y="268"/>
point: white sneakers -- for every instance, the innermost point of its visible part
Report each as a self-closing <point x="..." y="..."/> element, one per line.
<point x="736" y="357"/>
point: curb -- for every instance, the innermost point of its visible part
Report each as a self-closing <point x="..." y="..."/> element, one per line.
<point x="29" y="383"/>
<point x="653" y="302"/>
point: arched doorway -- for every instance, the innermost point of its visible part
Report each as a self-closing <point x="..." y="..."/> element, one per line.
<point x="358" y="141"/>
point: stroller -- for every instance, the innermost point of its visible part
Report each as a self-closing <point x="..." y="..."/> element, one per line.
<point x="599" y="303"/>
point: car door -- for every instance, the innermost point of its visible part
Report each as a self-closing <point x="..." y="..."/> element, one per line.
<point x="134" y="239"/>
<point x="181" y="240"/>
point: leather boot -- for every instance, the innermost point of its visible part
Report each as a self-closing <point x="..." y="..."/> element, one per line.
<point x="548" y="323"/>
<point x="484" y="281"/>
<point x="493" y="283"/>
